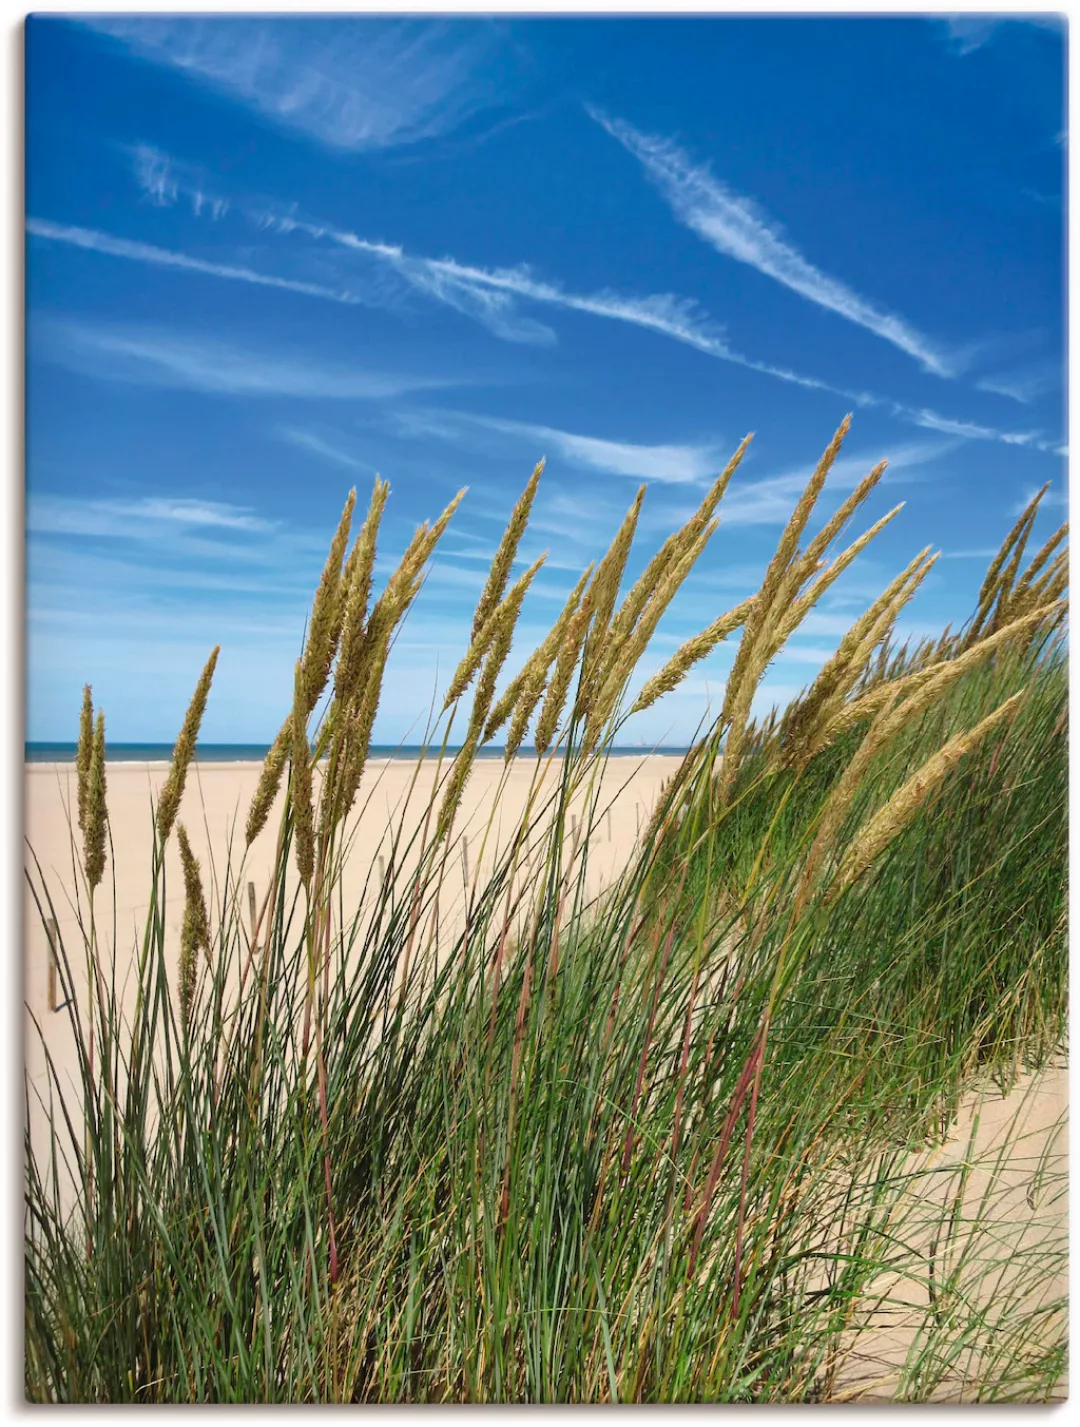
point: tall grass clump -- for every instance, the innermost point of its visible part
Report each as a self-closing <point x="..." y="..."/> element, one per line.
<point x="508" y="1137"/>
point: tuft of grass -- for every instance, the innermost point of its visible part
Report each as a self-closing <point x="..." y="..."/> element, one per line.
<point x="663" y="1142"/>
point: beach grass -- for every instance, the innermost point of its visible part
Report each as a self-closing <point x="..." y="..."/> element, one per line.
<point x="673" y="1141"/>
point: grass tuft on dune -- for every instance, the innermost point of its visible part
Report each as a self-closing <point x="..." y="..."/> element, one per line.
<point x="673" y="1141"/>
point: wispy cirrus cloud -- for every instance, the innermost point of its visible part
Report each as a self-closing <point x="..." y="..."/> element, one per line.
<point x="677" y="464"/>
<point x="737" y="227"/>
<point x="160" y="180"/>
<point x="354" y="86"/>
<point x="1024" y="384"/>
<point x="310" y="441"/>
<point x="494" y="296"/>
<point x="149" y="357"/>
<point x="967" y="33"/>
<point x="976" y="431"/>
<point x="153" y="515"/>
<point x="112" y="246"/>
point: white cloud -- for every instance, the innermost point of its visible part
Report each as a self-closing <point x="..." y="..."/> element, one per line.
<point x="489" y="296"/>
<point x="60" y="515"/>
<point x="146" y="357"/>
<point x="737" y="227"/>
<point x="364" y="83"/>
<point x="1024" y="384"/>
<point x="162" y="181"/>
<point x="974" y="430"/>
<point x="677" y="464"/>
<point x="968" y="33"/>
<point x="308" y="441"/>
<point x="106" y="243"/>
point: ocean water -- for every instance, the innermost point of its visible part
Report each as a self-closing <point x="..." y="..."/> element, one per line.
<point x="256" y="752"/>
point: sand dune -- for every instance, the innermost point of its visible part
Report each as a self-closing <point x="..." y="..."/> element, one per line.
<point x="1029" y="1123"/>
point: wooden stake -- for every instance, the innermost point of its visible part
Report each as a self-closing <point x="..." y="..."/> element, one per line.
<point x="251" y="907"/>
<point x="465" y="858"/>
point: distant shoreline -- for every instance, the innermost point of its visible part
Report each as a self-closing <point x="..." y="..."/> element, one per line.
<point x="152" y="753"/>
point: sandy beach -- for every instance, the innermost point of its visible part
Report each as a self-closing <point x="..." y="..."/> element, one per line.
<point x="394" y="795"/>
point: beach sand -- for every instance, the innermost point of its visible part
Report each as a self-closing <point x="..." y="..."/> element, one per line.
<point x="214" y="811"/>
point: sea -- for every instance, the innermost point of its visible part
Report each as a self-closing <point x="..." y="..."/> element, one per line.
<point x="256" y="752"/>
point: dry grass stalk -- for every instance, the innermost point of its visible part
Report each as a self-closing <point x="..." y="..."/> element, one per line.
<point x="603" y="592"/>
<point x="804" y="729"/>
<point x="97" y="815"/>
<point x="504" y="621"/>
<point x="896" y="705"/>
<point x="184" y="751"/>
<point x="504" y="556"/>
<point x="300" y="754"/>
<point x="83" y="753"/>
<point x="994" y="593"/>
<point x="876" y="835"/>
<point x="195" y="931"/>
<point x="689" y="654"/>
<point x="802" y="606"/>
<point x="357" y="595"/>
<point x="501" y="641"/>
<point x="525" y="692"/>
<point x="327" y="612"/>
<point x="488" y="635"/>
<point x="764" y="629"/>
<point x="555" y="699"/>
<point x="672" y="548"/>
<point x="269" y="782"/>
<point x="927" y="683"/>
<point x="615" y="668"/>
<point x="835" y="524"/>
<point x="1027" y="515"/>
<point x="1040" y="559"/>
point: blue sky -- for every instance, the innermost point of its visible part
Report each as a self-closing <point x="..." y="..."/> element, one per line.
<point x="268" y="258"/>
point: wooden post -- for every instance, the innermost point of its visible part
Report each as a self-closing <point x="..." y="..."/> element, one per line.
<point x="251" y="908"/>
<point x="52" y="933"/>
<point x="382" y="869"/>
<point x="637" y="815"/>
<point x="465" y="858"/>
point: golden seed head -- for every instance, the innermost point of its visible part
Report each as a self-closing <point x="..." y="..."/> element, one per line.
<point x="832" y="527"/>
<point x="97" y="814"/>
<point x="456" y="785"/>
<point x="83" y="753"/>
<point x="325" y="627"/>
<point x="269" y="782"/>
<point x="505" y="621"/>
<point x="504" y="555"/>
<point x="183" y="752"/>
<point x="525" y="692"/>
<point x="880" y="830"/>
<point x="356" y="595"/>
<point x="691" y="653"/>
<point x="1027" y="516"/>
<point x="302" y="809"/>
<point x="552" y="707"/>
<point x="195" y="931"/>
<point x="672" y="548"/>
